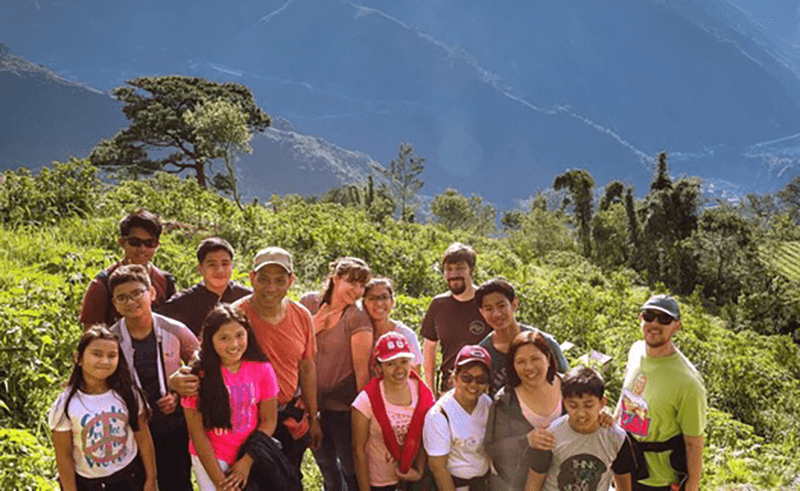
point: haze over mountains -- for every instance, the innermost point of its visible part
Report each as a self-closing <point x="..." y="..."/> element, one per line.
<point x="498" y="96"/>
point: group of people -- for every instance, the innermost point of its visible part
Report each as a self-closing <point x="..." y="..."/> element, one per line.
<point x="234" y="384"/>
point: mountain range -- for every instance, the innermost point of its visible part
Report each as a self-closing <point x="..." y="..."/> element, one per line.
<point x="499" y="97"/>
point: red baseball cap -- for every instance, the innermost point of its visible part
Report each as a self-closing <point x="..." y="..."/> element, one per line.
<point x="470" y="353"/>
<point x="393" y="345"/>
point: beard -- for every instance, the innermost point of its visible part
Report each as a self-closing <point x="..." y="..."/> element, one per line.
<point x="457" y="286"/>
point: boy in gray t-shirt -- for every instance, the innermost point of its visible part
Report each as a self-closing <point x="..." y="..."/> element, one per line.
<point x="585" y="455"/>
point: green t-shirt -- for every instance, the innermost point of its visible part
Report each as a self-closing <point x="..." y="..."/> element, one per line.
<point x="661" y="397"/>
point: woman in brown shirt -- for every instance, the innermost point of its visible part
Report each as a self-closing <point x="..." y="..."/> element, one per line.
<point x="344" y="344"/>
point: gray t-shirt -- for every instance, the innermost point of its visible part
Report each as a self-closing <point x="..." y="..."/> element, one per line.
<point x="583" y="461"/>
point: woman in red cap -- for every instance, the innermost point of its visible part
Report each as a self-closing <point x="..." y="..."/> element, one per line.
<point x="456" y="424"/>
<point x="388" y="419"/>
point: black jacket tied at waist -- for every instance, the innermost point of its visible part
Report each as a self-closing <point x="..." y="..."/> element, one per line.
<point x="271" y="469"/>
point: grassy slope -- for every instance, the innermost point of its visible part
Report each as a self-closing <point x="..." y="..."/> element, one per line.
<point x="751" y="379"/>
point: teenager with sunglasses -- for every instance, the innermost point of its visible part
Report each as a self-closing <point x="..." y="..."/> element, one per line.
<point x="663" y="403"/>
<point x="139" y="234"/>
<point x="456" y="424"/>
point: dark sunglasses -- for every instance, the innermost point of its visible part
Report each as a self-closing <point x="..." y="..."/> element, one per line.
<point x="663" y="319"/>
<point x="137" y="242"/>
<point x="468" y="378"/>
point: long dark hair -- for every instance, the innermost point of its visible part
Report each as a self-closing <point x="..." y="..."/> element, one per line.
<point x="352" y="268"/>
<point x="120" y="381"/>
<point x="214" y="404"/>
<point x="536" y="339"/>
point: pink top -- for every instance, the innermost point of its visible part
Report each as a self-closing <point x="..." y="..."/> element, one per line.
<point x="253" y="383"/>
<point x="535" y="419"/>
<point x="381" y="465"/>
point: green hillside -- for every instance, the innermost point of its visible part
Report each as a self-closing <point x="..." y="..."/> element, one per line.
<point x="63" y="231"/>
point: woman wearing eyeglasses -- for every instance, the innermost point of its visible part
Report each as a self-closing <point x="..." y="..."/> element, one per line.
<point x="379" y="302"/>
<point x="456" y="424"/>
<point x="523" y="409"/>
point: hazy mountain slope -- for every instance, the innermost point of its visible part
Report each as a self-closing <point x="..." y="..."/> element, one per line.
<point x="499" y="97"/>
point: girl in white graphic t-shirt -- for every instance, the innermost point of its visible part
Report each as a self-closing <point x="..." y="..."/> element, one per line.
<point x="99" y="423"/>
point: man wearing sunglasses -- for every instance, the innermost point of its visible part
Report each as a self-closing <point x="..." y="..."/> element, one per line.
<point x="139" y="233"/>
<point x="663" y="404"/>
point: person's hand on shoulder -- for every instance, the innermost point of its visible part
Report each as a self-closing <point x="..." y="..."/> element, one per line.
<point x="184" y="382"/>
<point x="541" y="439"/>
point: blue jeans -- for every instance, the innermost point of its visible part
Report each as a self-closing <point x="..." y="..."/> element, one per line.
<point x="335" y="456"/>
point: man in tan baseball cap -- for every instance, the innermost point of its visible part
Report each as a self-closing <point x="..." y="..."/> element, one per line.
<point x="285" y="334"/>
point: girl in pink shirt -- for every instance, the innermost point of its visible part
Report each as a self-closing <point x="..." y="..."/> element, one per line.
<point x="237" y="396"/>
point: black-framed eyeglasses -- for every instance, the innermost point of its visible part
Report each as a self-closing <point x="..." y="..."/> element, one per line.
<point x="378" y="298"/>
<point x="663" y="319"/>
<point x="123" y="298"/>
<point x="468" y="378"/>
<point x="137" y="242"/>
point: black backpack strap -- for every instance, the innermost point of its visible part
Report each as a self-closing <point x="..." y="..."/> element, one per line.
<point x="170" y="291"/>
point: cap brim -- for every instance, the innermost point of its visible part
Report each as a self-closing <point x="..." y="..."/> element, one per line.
<point x="660" y="309"/>
<point x="470" y="360"/>
<point x="395" y="356"/>
<point x="266" y="263"/>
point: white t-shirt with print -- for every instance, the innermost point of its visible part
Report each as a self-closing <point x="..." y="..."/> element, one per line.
<point x="461" y="439"/>
<point x="102" y="439"/>
<point x="380" y="463"/>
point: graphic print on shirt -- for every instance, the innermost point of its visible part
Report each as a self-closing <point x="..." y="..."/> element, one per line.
<point x="633" y="416"/>
<point x="243" y="406"/>
<point x="104" y="436"/>
<point x="580" y="472"/>
<point x="400" y="423"/>
<point x="477" y="327"/>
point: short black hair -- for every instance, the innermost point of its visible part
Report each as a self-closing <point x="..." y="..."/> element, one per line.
<point x="212" y="244"/>
<point x="495" y="285"/>
<point x="582" y="380"/>
<point x="128" y="273"/>
<point x="141" y="218"/>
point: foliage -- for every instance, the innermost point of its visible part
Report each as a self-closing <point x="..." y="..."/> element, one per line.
<point x="455" y="211"/>
<point x="751" y="368"/>
<point x="222" y="132"/>
<point x="789" y="197"/>
<point x="68" y="189"/>
<point x="669" y="218"/>
<point x="25" y="463"/>
<point x="580" y="185"/>
<point x="155" y="107"/>
<point x="403" y="180"/>
<point x="377" y="202"/>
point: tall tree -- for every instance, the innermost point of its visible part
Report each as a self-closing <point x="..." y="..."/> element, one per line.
<point x="790" y="199"/>
<point x="669" y="218"/>
<point x="158" y="137"/>
<point x="661" y="179"/>
<point x="222" y="132"/>
<point x="403" y="179"/>
<point x="453" y="210"/>
<point x="580" y="185"/>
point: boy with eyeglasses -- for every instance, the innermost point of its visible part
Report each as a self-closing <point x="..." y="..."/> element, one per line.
<point x="663" y="404"/>
<point x="139" y="234"/>
<point x="154" y="347"/>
